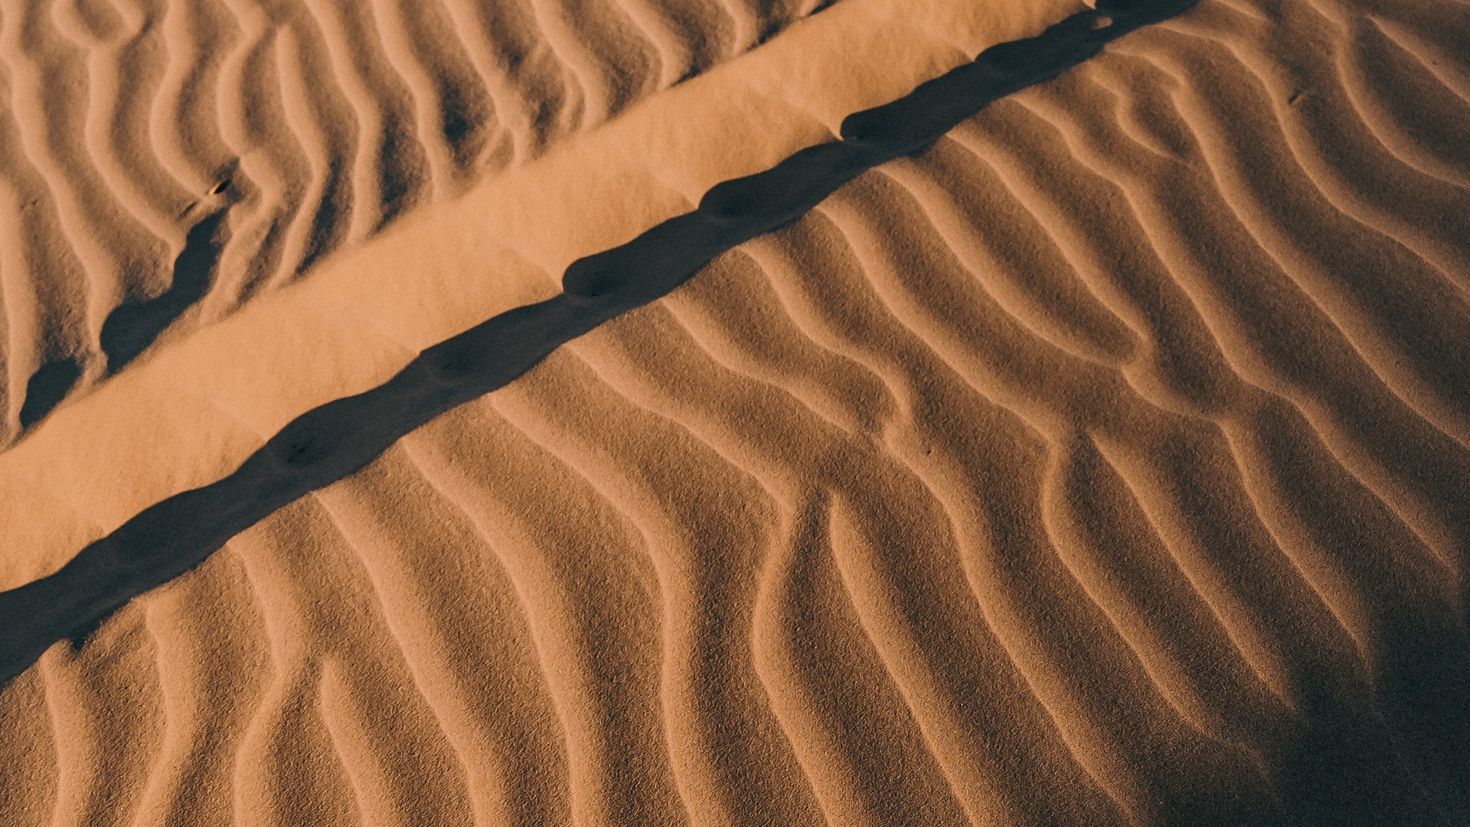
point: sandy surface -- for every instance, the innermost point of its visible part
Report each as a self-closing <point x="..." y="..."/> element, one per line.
<point x="212" y="397"/>
<point x="282" y="131"/>
<point x="1105" y="462"/>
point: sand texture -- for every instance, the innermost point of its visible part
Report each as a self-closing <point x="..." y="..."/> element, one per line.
<point x="167" y="159"/>
<point x="212" y="397"/>
<point x="1105" y="462"/>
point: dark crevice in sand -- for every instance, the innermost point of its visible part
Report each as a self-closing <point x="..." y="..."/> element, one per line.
<point x="131" y="328"/>
<point x="336" y="439"/>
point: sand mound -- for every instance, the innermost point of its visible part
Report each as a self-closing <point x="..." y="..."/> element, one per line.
<point x="160" y="160"/>
<point x="1103" y="463"/>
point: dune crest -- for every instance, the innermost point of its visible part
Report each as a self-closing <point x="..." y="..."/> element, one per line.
<point x="1103" y="463"/>
<point x="193" y="411"/>
<point x="277" y="133"/>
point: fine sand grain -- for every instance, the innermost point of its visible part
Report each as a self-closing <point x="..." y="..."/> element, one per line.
<point x="1105" y="462"/>
<point x="161" y="163"/>
<point x="213" y="397"/>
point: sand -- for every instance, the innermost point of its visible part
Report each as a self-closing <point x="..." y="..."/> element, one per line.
<point x="364" y="313"/>
<point x="1102" y="463"/>
<point x="161" y="164"/>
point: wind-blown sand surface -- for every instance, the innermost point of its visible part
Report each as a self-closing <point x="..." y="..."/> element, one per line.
<point x="1104" y="462"/>
<point x="160" y="159"/>
<point x="362" y="315"/>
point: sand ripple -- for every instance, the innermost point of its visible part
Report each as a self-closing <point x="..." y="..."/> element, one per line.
<point x="159" y="159"/>
<point x="1103" y="463"/>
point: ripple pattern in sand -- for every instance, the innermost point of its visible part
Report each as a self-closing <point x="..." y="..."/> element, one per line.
<point x="1103" y="463"/>
<point x="160" y="158"/>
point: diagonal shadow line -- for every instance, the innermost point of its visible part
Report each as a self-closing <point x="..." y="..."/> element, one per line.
<point x="340" y="437"/>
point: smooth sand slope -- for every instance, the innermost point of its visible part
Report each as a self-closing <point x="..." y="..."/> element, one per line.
<point x="166" y="159"/>
<point x="1104" y="463"/>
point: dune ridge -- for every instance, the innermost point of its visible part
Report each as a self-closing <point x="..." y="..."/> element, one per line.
<point x="195" y="408"/>
<point x="287" y="130"/>
<point x="331" y="441"/>
<point x="1101" y="464"/>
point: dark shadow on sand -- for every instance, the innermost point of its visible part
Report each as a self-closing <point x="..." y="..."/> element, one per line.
<point x="46" y="388"/>
<point x="1324" y="776"/>
<point x="131" y="328"/>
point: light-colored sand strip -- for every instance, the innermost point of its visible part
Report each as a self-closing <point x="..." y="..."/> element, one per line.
<point x="1094" y="466"/>
<point x="195" y="409"/>
<point x="313" y="123"/>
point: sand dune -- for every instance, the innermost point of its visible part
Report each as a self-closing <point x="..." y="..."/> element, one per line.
<point x="160" y="160"/>
<point x="213" y="397"/>
<point x="1102" y="463"/>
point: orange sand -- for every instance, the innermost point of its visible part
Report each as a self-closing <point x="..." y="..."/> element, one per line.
<point x="313" y="125"/>
<point x="211" y="398"/>
<point x="1104" y="463"/>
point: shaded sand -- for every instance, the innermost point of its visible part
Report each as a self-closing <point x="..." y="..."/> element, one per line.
<point x="1103" y="463"/>
<point x="335" y="440"/>
<point x="210" y="399"/>
<point x="166" y="159"/>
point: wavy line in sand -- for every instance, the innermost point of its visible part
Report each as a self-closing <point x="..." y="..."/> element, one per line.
<point x="340" y="437"/>
<point x="367" y="315"/>
<point x="126" y="118"/>
<point x="847" y="404"/>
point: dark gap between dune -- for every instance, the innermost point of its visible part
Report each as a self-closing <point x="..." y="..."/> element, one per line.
<point x="340" y="437"/>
